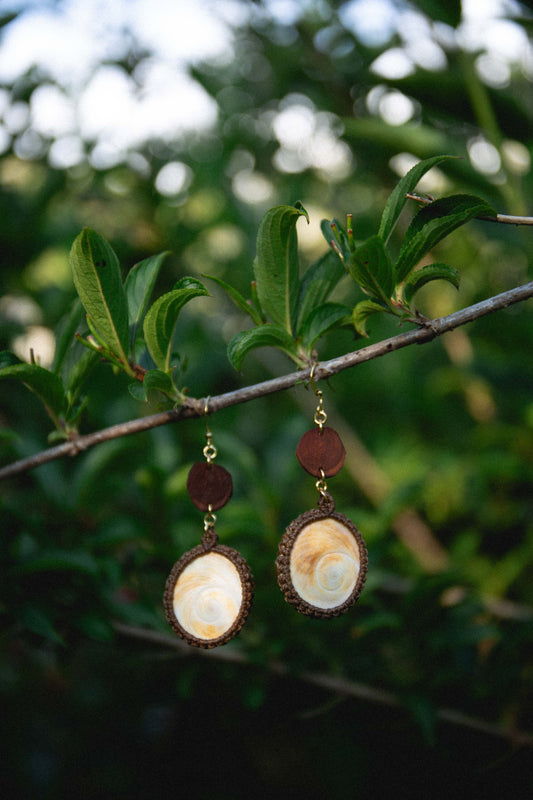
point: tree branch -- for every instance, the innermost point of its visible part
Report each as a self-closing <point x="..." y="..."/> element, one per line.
<point x="330" y="683"/>
<point x="506" y="219"/>
<point x="195" y="407"/>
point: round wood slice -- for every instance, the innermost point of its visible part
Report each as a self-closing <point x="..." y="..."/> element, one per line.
<point x="321" y="450"/>
<point x="209" y="485"/>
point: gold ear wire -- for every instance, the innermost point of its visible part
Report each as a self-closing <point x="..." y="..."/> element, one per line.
<point x="312" y="378"/>
<point x="320" y="417"/>
<point x="209" y="451"/>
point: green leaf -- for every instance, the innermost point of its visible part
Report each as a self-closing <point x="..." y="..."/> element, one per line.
<point x="256" y="303"/>
<point x="447" y="11"/>
<point x="137" y="391"/>
<point x="156" y="383"/>
<point x="431" y="272"/>
<point x="425" y="714"/>
<point x="276" y="266"/>
<point x="317" y="284"/>
<point x="95" y="627"/>
<point x="38" y="622"/>
<point x="97" y="278"/>
<point x="397" y="199"/>
<point x="372" y="268"/>
<point x="65" y="334"/>
<point x="47" y="385"/>
<point x="237" y="298"/>
<point x="362" y="312"/>
<point x="334" y="234"/>
<point x="81" y="370"/>
<point x="160" y="321"/>
<point x="322" y="319"/>
<point x="8" y="359"/>
<point x="433" y="223"/>
<point x="158" y="380"/>
<point x="269" y="335"/>
<point x="139" y="285"/>
<point x="60" y="561"/>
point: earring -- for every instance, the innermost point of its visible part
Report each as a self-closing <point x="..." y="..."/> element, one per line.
<point x="322" y="558"/>
<point x="209" y="591"/>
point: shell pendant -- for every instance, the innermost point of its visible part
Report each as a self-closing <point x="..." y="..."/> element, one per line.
<point x="322" y="558"/>
<point x="322" y="562"/>
<point x="209" y="591"/>
<point x="208" y="594"/>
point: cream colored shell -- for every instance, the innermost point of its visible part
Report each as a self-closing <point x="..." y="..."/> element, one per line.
<point x="325" y="563"/>
<point x="208" y="596"/>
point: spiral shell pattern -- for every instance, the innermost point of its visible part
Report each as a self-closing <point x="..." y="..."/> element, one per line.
<point x="208" y="595"/>
<point x="325" y="564"/>
<point x="322" y="564"/>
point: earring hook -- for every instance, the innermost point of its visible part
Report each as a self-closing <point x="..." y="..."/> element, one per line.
<point x="209" y="451"/>
<point x="320" y="417"/>
<point x="316" y="390"/>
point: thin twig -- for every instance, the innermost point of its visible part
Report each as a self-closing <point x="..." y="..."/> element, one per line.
<point x="506" y="219"/>
<point x="330" y="683"/>
<point x="195" y="407"/>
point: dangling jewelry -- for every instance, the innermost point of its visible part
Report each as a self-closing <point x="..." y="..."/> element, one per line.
<point x="322" y="557"/>
<point x="209" y="591"/>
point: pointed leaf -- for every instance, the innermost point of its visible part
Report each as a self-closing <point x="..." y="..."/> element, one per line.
<point x="322" y="319"/>
<point x="397" y="199"/>
<point x="37" y="621"/>
<point x="276" y="266"/>
<point x="137" y="391"/>
<point x="81" y="369"/>
<point x="268" y="335"/>
<point x="432" y="272"/>
<point x="237" y="298"/>
<point x="158" y="380"/>
<point x="139" y="285"/>
<point x="65" y="334"/>
<point x="362" y="312"/>
<point x="317" y="284"/>
<point x="256" y="303"/>
<point x="160" y="321"/>
<point x="8" y="359"/>
<point x="72" y="361"/>
<point x="372" y="268"/>
<point x="433" y="223"/>
<point x="327" y="233"/>
<point x="97" y="278"/>
<point x="155" y="380"/>
<point x="47" y="385"/>
<point x="333" y="231"/>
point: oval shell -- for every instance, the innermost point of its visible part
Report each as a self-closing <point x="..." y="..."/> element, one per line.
<point x="208" y="595"/>
<point x="322" y="564"/>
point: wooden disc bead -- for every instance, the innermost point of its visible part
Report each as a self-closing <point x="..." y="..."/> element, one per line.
<point x="209" y="485"/>
<point x="321" y="450"/>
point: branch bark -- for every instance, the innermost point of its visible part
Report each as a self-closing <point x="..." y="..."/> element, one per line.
<point x="506" y="219"/>
<point x="195" y="407"/>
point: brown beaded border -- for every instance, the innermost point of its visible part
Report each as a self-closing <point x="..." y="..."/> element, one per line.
<point x="247" y="593"/>
<point x="326" y="510"/>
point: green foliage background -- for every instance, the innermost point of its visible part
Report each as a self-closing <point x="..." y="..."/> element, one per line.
<point x="438" y="475"/>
